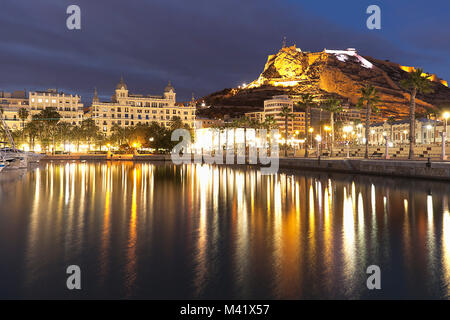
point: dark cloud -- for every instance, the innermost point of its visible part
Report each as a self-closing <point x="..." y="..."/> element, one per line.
<point x="202" y="46"/>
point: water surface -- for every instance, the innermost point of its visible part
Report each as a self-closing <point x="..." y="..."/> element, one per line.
<point x="142" y="230"/>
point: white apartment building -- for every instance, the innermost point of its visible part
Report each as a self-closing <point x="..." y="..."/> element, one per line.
<point x="273" y="107"/>
<point x="126" y="109"/>
<point x="68" y="106"/>
<point x="10" y="104"/>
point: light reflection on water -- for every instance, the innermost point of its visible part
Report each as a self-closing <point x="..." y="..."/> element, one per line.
<point x="162" y="231"/>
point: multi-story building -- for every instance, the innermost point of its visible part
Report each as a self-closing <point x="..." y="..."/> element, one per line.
<point x="202" y="122"/>
<point x="273" y="108"/>
<point x="68" y="106"/>
<point x="126" y="109"/>
<point x="397" y="132"/>
<point x="10" y="104"/>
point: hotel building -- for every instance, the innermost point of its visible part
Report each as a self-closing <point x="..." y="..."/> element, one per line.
<point x="273" y="107"/>
<point x="67" y="105"/>
<point x="126" y="109"/>
<point x="10" y="104"/>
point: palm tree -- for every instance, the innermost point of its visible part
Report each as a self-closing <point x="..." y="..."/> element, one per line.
<point x="333" y="106"/>
<point x="269" y="124"/>
<point x="369" y="98"/>
<point x="47" y="121"/>
<point x="90" y="131"/>
<point x="415" y="83"/>
<point x="64" y="130"/>
<point x="76" y="134"/>
<point x="176" y="123"/>
<point x="391" y="121"/>
<point x="23" y="115"/>
<point x="286" y="113"/>
<point x="255" y="125"/>
<point x="245" y="123"/>
<point x="31" y="129"/>
<point x="235" y="124"/>
<point x="306" y="103"/>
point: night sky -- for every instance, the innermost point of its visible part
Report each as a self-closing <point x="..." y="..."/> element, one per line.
<point x="202" y="46"/>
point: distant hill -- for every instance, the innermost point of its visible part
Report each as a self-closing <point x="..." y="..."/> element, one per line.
<point x="330" y="73"/>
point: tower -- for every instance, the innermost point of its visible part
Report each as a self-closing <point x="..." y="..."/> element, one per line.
<point x="121" y="91"/>
<point x="169" y="93"/>
<point x="95" y="98"/>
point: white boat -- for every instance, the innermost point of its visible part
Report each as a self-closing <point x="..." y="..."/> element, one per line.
<point x="11" y="154"/>
<point x="2" y="166"/>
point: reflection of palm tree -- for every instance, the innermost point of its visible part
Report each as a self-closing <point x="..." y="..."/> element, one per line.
<point x="333" y="106"/>
<point x="369" y="98"/>
<point x="415" y="83"/>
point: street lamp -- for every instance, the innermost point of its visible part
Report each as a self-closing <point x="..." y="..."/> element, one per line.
<point x="347" y="130"/>
<point x="429" y="127"/>
<point x="311" y="130"/>
<point x="386" y="150"/>
<point x="318" y="139"/>
<point x="327" y="129"/>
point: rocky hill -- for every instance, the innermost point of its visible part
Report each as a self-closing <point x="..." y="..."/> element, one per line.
<point x="338" y="73"/>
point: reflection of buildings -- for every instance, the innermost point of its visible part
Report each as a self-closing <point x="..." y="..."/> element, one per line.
<point x="273" y="108"/>
<point x="126" y="109"/>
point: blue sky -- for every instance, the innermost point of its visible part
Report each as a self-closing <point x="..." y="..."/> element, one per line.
<point x="201" y="45"/>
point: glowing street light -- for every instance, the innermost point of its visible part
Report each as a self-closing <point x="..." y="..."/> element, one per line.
<point x="318" y="139"/>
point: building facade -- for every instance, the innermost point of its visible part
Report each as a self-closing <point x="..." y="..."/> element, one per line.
<point x="126" y="109"/>
<point x="68" y="106"/>
<point x="273" y="108"/>
<point x="10" y="104"/>
<point x="427" y="132"/>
